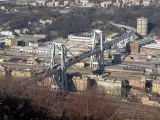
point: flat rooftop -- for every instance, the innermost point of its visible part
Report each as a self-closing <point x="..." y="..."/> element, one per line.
<point x="152" y="46"/>
<point x="28" y="38"/>
<point x="112" y="35"/>
<point x="86" y="34"/>
<point x="143" y="41"/>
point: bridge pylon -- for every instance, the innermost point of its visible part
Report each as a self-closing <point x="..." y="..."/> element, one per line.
<point x="97" y="61"/>
<point x="63" y="77"/>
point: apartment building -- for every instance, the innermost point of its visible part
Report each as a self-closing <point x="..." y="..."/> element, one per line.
<point x="21" y="73"/>
<point x="80" y="83"/>
<point x="137" y="82"/>
<point x="33" y="44"/>
<point x="112" y="87"/>
<point x="32" y="61"/>
<point x="50" y="4"/>
<point x="11" y="42"/>
<point x="156" y="86"/>
<point x="106" y="3"/>
<point x="136" y="2"/>
<point x="47" y="82"/>
<point x="56" y="3"/>
<point x="146" y="2"/>
<point x="45" y="22"/>
<point x="150" y="101"/>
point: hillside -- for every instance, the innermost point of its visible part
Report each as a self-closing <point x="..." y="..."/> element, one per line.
<point x="26" y="102"/>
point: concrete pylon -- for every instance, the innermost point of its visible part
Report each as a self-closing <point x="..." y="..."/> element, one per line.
<point x="94" y="63"/>
<point x="97" y="61"/>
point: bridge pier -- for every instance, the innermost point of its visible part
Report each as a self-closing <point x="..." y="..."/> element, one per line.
<point x="93" y="63"/>
<point x="64" y="82"/>
<point x="97" y="61"/>
<point x="53" y="56"/>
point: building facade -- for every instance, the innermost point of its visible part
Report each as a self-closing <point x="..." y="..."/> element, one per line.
<point x="112" y="87"/>
<point x="142" y="26"/>
<point x="11" y="42"/>
<point x="134" y="48"/>
<point x="80" y="84"/>
<point x="32" y="61"/>
<point x="84" y="37"/>
<point x="137" y="82"/>
<point x="33" y="44"/>
<point x="21" y="73"/>
<point x="151" y="49"/>
<point x="156" y="86"/>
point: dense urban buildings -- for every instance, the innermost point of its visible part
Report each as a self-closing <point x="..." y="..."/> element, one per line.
<point x="109" y="48"/>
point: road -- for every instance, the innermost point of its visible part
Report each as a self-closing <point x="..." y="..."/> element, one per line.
<point x="142" y="62"/>
<point x="20" y="66"/>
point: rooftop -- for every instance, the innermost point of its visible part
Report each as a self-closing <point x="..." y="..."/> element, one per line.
<point x="143" y="41"/>
<point x="28" y="38"/>
<point x="86" y="34"/>
<point x="152" y="46"/>
<point x="112" y="35"/>
<point x="156" y="81"/>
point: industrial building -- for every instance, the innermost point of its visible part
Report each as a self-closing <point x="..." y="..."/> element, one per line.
<point x="6" y="33"/>
<point x="82" y="37"/>
<point x="135" y="45"/>
<point x="142" y="26"/>
<point x="41" y="50"/>
<point x="151" y="49"/>
<point x="29" y="38"/>
<point x="111" y="37"/>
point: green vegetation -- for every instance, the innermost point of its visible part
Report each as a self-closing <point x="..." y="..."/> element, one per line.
<point x="79" y="19"/>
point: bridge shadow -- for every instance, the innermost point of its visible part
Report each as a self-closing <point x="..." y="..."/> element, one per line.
<point x="71" y="84"/>
<point x="150" y="27"/>
<point x="98" y="72"/>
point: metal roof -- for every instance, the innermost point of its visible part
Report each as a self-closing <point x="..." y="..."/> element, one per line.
<point x="28" y="38"/>
<point x="152" y="46"/>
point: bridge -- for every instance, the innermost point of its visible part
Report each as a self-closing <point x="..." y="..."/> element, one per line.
<point x="59" y="71"/>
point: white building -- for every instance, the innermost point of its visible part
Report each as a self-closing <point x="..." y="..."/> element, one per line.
<point x="126" y="1"/>
<point x="6" y="33"/>
<point x="112" y="87"/>
<point x="106" y="3"/>
<point x="42" y="50"/>
<point x="146" y="2"/>
<point x="111" y="37"/>
<point x="84" y="37"/>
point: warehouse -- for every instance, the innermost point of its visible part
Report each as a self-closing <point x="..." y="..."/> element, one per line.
<point x="83" y="37"/>
<point x="151" y="49"/>
<point x="136" y="45"/>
